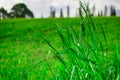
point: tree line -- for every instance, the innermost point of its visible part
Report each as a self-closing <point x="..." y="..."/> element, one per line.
<point x="19" y="10"/>
<point x="53" y="12"/>
<point x="111" y="12"/>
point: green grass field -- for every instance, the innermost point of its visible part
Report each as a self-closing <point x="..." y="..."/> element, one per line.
<point x="23" y="49"/>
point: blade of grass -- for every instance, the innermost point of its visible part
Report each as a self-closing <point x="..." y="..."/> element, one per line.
<point x="72" y="73"/>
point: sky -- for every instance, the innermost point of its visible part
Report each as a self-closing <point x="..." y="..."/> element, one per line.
<point x="42" y="7"/>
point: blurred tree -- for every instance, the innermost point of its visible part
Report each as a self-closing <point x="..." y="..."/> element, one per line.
<point x="11" y="15"/>
<point x="93" y="11"/>
<point x="3" y="13"/>
<point x="52" y="12"/>
<point x="61" y="13"/>
<point x="68" y="11"/>
<point x="29" y="13"/>
<point x="112" y="11"/>
<point x="20" y="11"/>
<point x="101" y="13"/>
<point x="105" y="11"/>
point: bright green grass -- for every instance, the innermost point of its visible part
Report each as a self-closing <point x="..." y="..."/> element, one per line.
<point x="22" y="48"/>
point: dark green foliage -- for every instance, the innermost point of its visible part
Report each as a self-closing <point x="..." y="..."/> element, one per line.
<point x="20" y="11"/>
<point x="52" y="12"/>
<point x="3" y="13"/>
<point x="112" y="11"/>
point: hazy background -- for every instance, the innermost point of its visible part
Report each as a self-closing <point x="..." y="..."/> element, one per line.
<point x="42" y="7"/>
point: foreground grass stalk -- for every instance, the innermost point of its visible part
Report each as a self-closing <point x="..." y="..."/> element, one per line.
<point x="72" y="73"/>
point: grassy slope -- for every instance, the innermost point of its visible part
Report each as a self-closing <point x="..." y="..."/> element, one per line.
<point x="21" y="48"/>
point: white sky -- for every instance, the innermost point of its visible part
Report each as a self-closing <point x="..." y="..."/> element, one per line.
<point x="43" y="6"/>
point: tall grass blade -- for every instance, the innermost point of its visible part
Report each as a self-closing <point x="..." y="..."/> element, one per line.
<point x="29" y="69"/>
<point x="103" y="32"/>
<point x="116" y="60"/>
<point x="53" y="74"/>
<point x="72" y="73"/>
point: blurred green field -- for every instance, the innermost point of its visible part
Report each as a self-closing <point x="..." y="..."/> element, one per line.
<point x="22" y="48"/>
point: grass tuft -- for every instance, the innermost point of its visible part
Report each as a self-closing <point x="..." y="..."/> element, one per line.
<point x="83" y="51"/>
